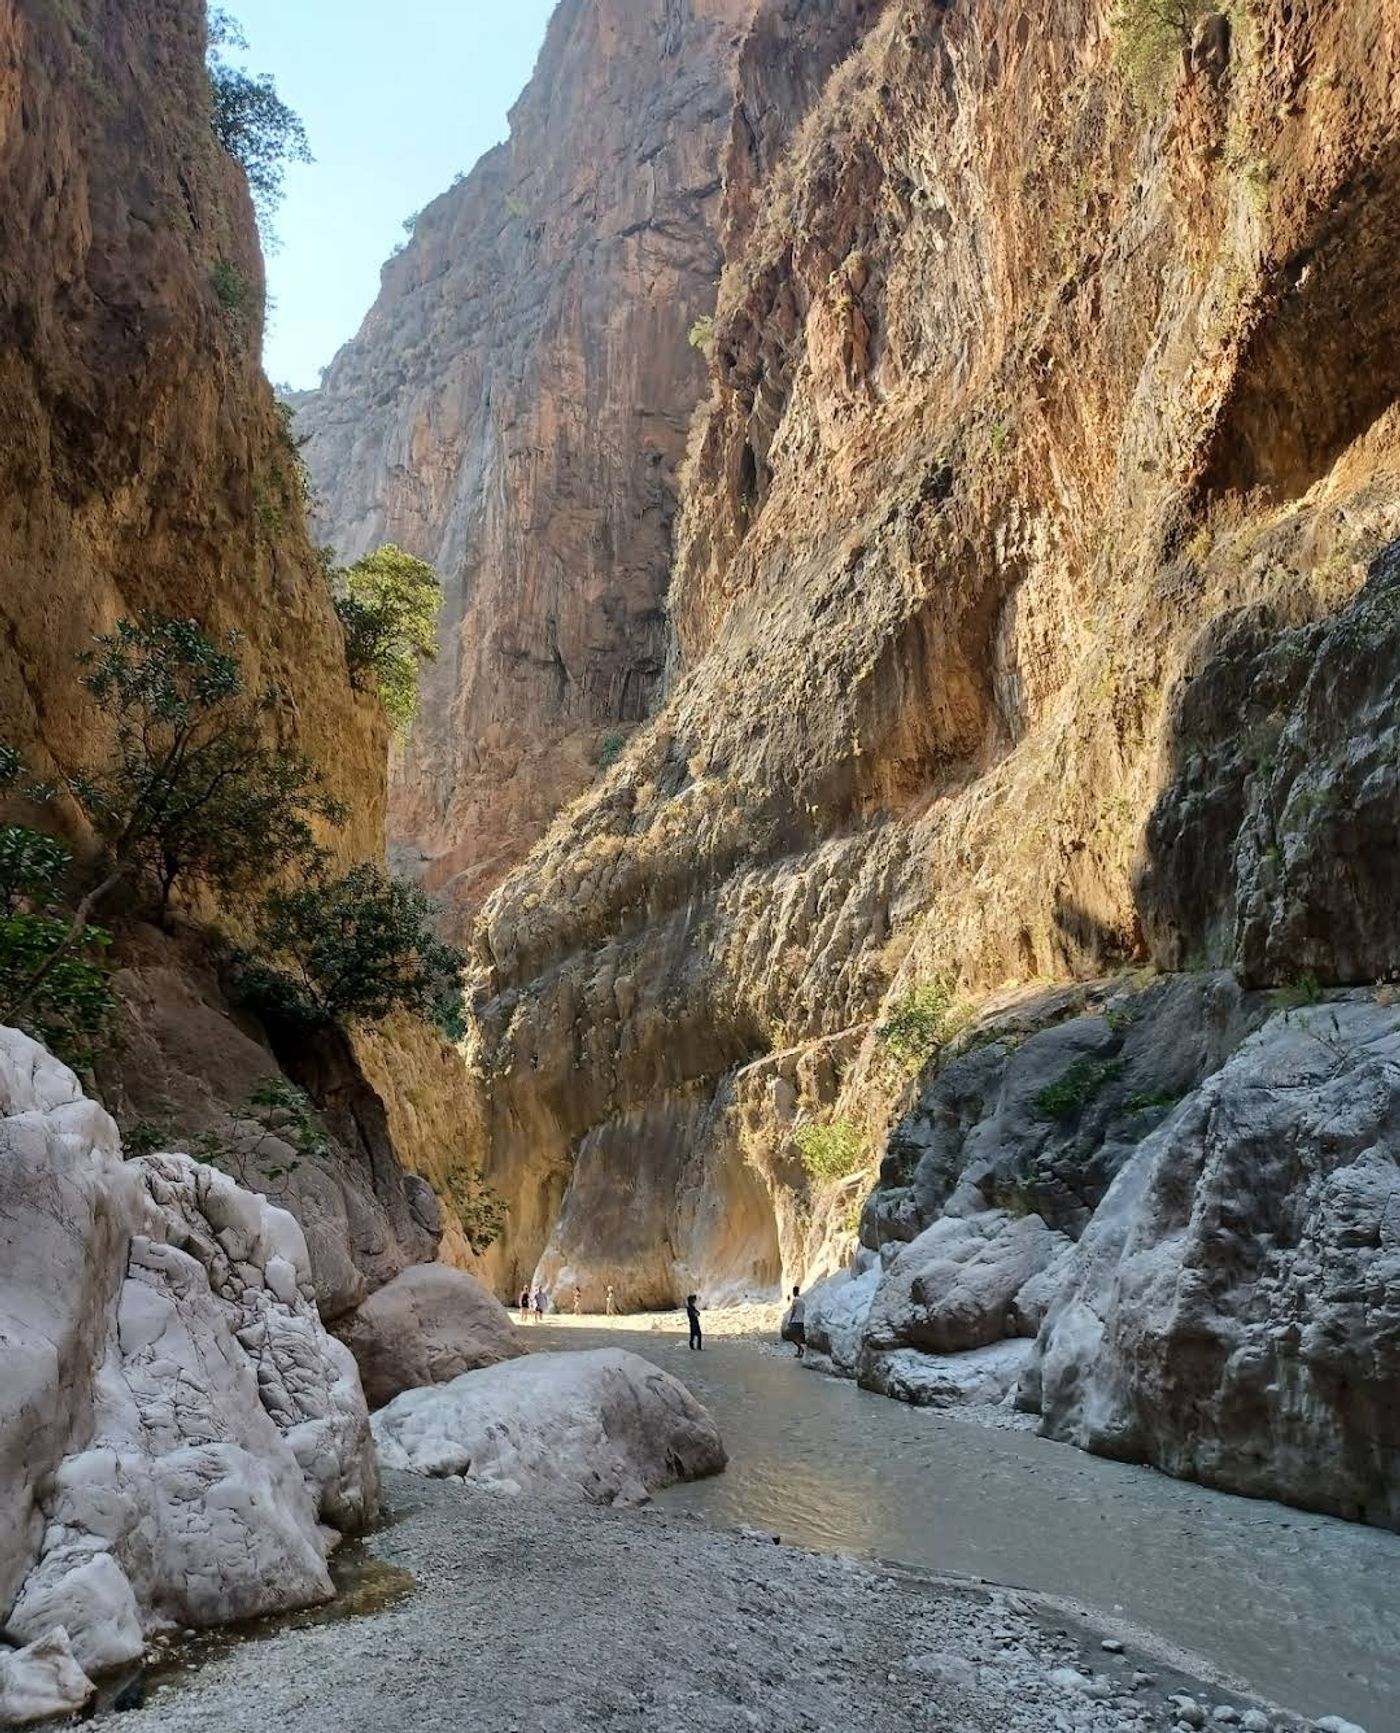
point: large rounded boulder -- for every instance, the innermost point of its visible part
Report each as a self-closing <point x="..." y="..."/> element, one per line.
<point x="603" y="1425"/>
<point x="427" y="1326"/>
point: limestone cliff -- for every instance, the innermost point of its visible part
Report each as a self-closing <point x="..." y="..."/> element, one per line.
<point x="145" y="468"/>
<point x="1032" y="397"/>
<point x="514" y="410"/>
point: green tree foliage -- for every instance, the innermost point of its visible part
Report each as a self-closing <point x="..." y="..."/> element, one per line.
<point x="1078" y="1086"/>
<point x="830" y="1152"/>
<point x="1152" y="36"/>
<point x="388" y="604"/>
<point x="278" y="1130"/>
<point x="480" y="1208"/>
<point x="354" y="949"/>
<point x="52" y="984"/>
<point x="251" y="121"/>
<point x="191" y="789"/>
<point x="919" y="1023"/>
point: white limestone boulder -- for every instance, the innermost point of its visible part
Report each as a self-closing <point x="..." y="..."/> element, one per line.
<point x="42" y="1681"/>
<point x="835" y="1315"/>
<point x="603" y="1425"/>
<point x="955" y="1287"/>
<point x="427" y="1326"/>
<point x="1232" y="1313"/>
<point x="980" y="1378"/>
<point x="179" y="1437"/>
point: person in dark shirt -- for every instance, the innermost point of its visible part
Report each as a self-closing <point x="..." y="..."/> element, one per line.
<point x="692" y="1311"/>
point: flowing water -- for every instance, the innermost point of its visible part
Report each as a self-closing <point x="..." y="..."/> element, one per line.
<point x="1302" y="1609"/>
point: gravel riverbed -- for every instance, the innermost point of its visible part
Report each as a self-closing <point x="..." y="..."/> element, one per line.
<point x="529" y="1617"/>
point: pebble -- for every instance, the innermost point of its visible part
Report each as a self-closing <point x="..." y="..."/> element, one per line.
<point x="1142" y="1680"/>
<point x="1189" y="1712"/>
<point x="1335" y="1724"/>
<point x="1255" y="1721"/>
<point x="1225" y="1715"/>
<point x="1111" y="1646"/>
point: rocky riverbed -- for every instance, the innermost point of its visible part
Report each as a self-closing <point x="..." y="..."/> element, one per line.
<point x="551" y="1618"/>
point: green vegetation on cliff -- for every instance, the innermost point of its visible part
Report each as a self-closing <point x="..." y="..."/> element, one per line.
<point x="50" y="986"/>
<point x="354" y="948"/>
<point x="388" y="604"/>
<point x="196" y="790"/>
<point x="250" y="119"/>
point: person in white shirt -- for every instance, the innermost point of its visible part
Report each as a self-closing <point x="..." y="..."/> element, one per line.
<point x="797" y="1322"/>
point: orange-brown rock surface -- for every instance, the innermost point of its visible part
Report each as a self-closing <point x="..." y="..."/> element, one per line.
<point x="1026" y="388"/>
<point x="144" y="469"/>
<point x="514" y="410"/>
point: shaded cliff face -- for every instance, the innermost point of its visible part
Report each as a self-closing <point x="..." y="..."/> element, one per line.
<point x="1020" y="393"/>
<point x="142" y="466"/>
<point x="514" y="411"/>
<point x="144" y="469"/>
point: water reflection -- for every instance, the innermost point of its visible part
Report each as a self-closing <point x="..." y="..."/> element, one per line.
<point x="1304" y="1608"/>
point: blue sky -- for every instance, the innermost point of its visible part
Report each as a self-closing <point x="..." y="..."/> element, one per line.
<point x="396" y="100"/>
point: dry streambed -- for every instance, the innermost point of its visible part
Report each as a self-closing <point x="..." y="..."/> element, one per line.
<point x="549" y="1618"/>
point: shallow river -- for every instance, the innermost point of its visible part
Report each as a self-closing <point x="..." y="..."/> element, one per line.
<point x="1302" y="1609"/>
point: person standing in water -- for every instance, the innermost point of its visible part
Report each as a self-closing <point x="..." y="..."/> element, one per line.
<point x="797" y="1322"/>
<point x="541" y="1303"/>
<point x="611" y="1304"/>
<point x="578" y="1300"/>
<point x="524" y="1302"/>
<point x="692" y="1311"/>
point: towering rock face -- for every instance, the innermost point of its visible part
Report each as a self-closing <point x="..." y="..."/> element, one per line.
<point x="145" y="469"/>
<point x="1028" y="394"/>
<point x="514" y="410"/>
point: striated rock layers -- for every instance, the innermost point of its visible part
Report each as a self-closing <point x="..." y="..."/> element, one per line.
<point x="1050" y="440"/>
<point x="144" y="467"/>
<point x="514" y="410"/>
<point x="180" y="1440"/>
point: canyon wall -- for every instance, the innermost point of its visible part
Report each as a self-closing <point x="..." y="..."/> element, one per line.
<point x="514" y="411"/>
<point x="145" y="469"/>
<point x="1039" y="407"/>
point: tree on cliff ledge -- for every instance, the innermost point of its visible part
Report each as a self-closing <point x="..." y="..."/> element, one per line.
<point x="388" y="604"/>
<point x="251" y="121"/>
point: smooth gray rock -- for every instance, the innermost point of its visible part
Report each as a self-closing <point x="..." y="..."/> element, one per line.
<point x="954" y="1288"/>
<point x="1233" y="1312"/>
<point x="42" y="1681"/>
<point x="604" y="1425"/>
<point x="425" y="1327"/>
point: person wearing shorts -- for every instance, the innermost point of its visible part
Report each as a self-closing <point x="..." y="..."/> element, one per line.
<point x="797" y="1322"/>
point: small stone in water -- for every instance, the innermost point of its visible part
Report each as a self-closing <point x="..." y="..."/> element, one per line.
<point x="1111" y="1646"/>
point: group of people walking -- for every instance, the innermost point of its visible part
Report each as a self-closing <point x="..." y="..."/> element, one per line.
<point x="536" y="1301"/>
